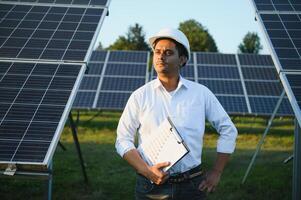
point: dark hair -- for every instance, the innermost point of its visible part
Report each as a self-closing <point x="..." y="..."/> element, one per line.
<point x="181" y="49"/>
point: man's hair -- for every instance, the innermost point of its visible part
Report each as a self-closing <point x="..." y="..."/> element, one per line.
<point x="181" y="49"/>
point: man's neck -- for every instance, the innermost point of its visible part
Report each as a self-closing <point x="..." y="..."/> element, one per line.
<point x="169" y="83"/>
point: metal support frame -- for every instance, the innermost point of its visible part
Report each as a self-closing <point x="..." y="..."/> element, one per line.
<point x="263" y="136"/>
<point x="62" y="146"/>
<point x="297" y="163"/>
<point x="43" y="175"/>
<point x="74" y="134"/>
<point x="50" y="182"/>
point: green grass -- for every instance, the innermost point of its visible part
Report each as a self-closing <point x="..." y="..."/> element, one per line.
<point x="112" y="178"/>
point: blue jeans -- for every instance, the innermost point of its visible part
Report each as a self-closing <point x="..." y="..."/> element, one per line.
<point x="185" y="190"/>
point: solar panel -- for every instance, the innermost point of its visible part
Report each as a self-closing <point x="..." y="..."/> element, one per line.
<point x="125" y="72"/>
<point x="128" y="56"/>
<point x="278" y="5"/>
<point x="266" y="105"/>
<point x="68" y="2"/>
<point x="281" y="22"/>
<point x="266" y="88"/>
<point x="47" y="32"/>
<point x="122" y="83"/>
<point x="84" y="99"/>
<point x="95" y="68"/>
<point x="112" y="100"/>
<point x="215" y="58"/>
<point x="255" y="60"/>
<point x="233" y="104"/>
<point x="89" y="83"/>
<point x="98" y="56"/>
<point x="285" y="35"/>
<point x="111" y="73"/>
<point x="222" y="72"/>
<point x="35" y="100"/>
<point x="223" y="86"/>
<point x="126" y="69"/>
<point x="259" y="73"/>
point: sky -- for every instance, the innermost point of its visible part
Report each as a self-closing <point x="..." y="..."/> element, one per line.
<point x="228" y="21"/>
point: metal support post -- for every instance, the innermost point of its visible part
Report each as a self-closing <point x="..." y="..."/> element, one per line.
<point x="74" y="133"/>
<point x="50" y="181"/>
<point x="297" y="164"/>
<point x="263" y="137"/>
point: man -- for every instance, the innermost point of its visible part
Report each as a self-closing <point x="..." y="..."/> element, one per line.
<point x="188" y="104"/>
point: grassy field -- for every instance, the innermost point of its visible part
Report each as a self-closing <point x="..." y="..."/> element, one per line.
<point x="111" y="178"/>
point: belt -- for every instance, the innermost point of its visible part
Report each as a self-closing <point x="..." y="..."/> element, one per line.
<point x="185" y="176"/>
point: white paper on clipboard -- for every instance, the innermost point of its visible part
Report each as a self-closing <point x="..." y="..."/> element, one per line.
<point x="164" y="145"/>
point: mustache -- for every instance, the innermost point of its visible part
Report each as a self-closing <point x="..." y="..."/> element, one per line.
<point x="160" y="63"/>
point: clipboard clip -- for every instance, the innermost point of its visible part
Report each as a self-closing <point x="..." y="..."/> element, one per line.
<point x="174" y="131"/>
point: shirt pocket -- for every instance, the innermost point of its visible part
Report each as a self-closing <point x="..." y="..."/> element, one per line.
<point x="190" y="116"/>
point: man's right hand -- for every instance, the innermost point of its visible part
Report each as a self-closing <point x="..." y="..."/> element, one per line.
<point x="156" y="174"/>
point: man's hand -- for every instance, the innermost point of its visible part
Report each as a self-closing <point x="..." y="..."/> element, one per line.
<point x="156" y="174"/>
<point x="211" y="180"/>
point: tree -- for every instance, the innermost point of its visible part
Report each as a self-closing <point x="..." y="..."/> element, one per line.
<point x="250" y="44"/>
<point x="134" y="40"/>
<point x="198" y="36"/>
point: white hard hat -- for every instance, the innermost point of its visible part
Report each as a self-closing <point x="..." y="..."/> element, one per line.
<point x="174" y="34"/>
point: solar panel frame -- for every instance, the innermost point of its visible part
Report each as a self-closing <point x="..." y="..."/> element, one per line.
<point x="58" y="128"/>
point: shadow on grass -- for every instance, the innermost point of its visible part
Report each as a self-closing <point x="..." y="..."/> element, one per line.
<point x="112" y="178"/>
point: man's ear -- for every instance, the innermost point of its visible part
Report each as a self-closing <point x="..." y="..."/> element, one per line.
<point x="183" y="60"/>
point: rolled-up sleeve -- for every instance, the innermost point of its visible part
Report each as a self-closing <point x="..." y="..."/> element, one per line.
<point x="221" y="121"/>
<point x="127" y="127"/>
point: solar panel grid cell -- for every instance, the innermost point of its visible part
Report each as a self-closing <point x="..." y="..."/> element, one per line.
<point x="224" y="87"/>
<point x="223" y="72"/>
<point x="124" y="56"/>
<point x="266" y="105"/>
<point x="215" y="58"/>
<point x="122" y="83"/>
<point x="124" y="69"/>
<point x="110" y="100"/>
<point x="233" y="104"/>
<point x="84" y="99"/>
<point x="259" y="73"/>
<point x="267" y="88"/>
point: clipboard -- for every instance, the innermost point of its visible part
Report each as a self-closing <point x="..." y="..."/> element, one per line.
<point x="164" y="145"/>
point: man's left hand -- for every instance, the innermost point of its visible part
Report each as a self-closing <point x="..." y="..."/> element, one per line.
<point x="211" y="180"/>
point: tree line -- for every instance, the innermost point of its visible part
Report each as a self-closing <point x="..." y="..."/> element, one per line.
<point x="199" y="38"/>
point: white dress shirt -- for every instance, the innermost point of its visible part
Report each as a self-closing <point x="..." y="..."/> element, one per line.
<point x="188" y="106"/>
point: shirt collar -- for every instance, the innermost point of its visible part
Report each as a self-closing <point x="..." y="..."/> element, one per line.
<point x="182" y="83"/>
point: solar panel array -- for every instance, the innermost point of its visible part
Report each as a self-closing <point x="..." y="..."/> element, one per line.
<point x="112" y="77"/>
<point x="44" y="46"/>
<point x="243" y="83"/>
<point x="281" y="22"/>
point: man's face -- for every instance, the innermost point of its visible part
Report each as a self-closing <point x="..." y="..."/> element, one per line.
<point x="166" y="58"/>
